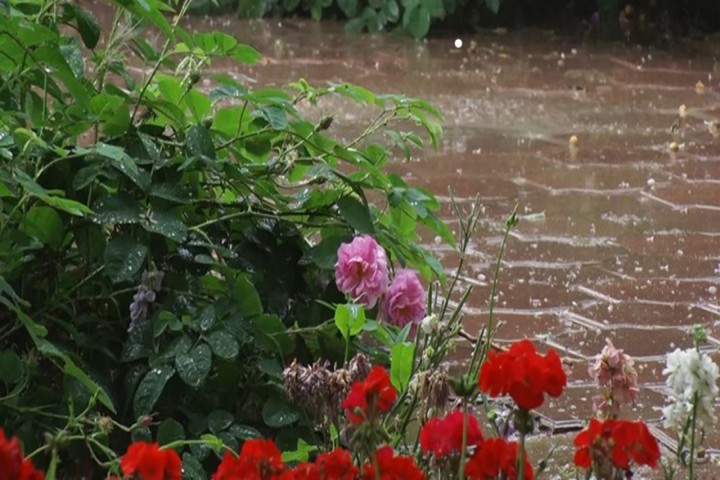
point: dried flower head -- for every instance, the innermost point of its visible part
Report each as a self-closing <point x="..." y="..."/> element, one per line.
<point x="614" y="370"/>
<point x="308" y="386"/>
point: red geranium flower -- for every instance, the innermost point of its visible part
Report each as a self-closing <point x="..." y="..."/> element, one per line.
<point x="303" y="471"/>
<point x="12" y="464"/>
<point x="616" y="443"/>
<point x="372" y="396"/>
<point x="392" y="467"/>
<point x="443" y="436"/>
<point x="523" y="374"/>
<point x="337" y="465"/>
<point x="496" y="456"/>
<point x="149" y="462"/>
<point x="259" y="459"/>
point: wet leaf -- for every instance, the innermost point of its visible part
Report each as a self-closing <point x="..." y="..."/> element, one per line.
<point x="349" y="319"/>
<point x="45" y="224"/>
<point x="87" y="25"/>
<point x="401" y="365"/>
<point x="223" y="344"/>
<point x="272" y="334"/>
<point x="246" y="297"/>
<point x="219" y="420"/>
<point x="150" y="389"/>
<point x="199" y="143"/>
<point x="11" y="367"/>
<point x="192" y="468"/>
<point x="417" y="21"/>
<point x="348" y="7"/>
<point x="167" y="224"/>
<point x="124" y="257"/>
<point x="356" y="214"/>
<point x="194" y="366"/>
<point x="279" y="413"/>
<point x="170" y="430"/>
<point x="117" y="209"/>
<point x="244" y="432"/>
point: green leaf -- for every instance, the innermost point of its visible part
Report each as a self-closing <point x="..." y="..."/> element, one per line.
<point x="198" y="143"/>
<point x="247" y="300"/>
<point x="80" y="375"/>
<point x="272" y="334"/>
<point x="150" y="388"/>
<point x="324" y="254"/>
<point x="87" y="25"/>
<point x="401" y="365"/>
<point x="435" y="7"/>
<point x="119" y="209"/>
<point x="206" y="319"/>
<point x="124" y="257"/>
<point x="348" y="7"/>
<point x="12" y="368"/>
<point x="120" y="160"/>
<point x="301" y="453"/>
<point x="223" y="344"/>
<point x="170" y="430"/>
<point x="277" y="412"/>
<point x="192" y="468"/>
<point x="219" y="420"/>
<point x="417" y="21"/>
<point x="244" y="432"/>
<point x="194" y="366"/>
<point x="45" y="224"/>
<point x="33" y="188"/>
<point x="349" y="319"/>
<point x="493" y="6"/>
<point x="356" y="214"/>
<point x="165" y="223"/>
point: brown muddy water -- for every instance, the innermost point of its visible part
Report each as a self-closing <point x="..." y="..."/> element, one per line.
<point x="620" y="234"/>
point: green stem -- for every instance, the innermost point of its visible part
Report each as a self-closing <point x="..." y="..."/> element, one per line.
<point x="489" y="329"/>
<point x="692" y="437"/>
<point x="521" y="457"/>
<point x="463" y="447"/>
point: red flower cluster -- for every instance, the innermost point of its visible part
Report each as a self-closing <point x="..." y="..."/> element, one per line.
<point x="494" y="457"/>
<point x="443" y="436"/>
<point x="261" y="460"/>
<point x="12" y="464"/>
<point x="523" y="374"/>
<point x="148" y="462"/>
<point x="617" y="441"/>
<point x="392" y="467"/>
<point x="372" y="396"/>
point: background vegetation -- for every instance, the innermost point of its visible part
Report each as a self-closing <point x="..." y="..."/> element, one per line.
<point x="661" y="19"/>
<point x="165" y="251"/>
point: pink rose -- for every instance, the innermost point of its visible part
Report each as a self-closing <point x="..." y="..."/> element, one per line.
<point x="405" y="300"/>
<point x="361" y="270"/>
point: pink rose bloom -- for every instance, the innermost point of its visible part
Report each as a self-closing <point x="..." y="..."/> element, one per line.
<point x="405" y="300"/>
<point x="361" y="270"/>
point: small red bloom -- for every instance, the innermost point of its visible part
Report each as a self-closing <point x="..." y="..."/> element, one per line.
<point x="392" y="467"/>
<point x="12" y="464"/>
<point x="228" y="469"/>
<point x="496" y="456"/>
<point x="372" y="396"/>
<point x="617" y="443"/>
<point x="260" y="459"/>
<point x="149" y="462"/>
<point x="523" y="374"/>
<point x="336" y="465"/>
<point x="443" y="436"/>
<point x="303" y="471"/>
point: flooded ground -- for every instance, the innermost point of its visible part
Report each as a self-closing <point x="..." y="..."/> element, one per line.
<point x="622" y="234"/>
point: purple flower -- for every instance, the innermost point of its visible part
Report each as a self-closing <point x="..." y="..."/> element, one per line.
<point x="361" y="270"/>
<point x="405" y="299"/>
<point x="146" y="294"/>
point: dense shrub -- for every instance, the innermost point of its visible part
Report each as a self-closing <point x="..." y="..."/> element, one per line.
<point x="164" y="249"/>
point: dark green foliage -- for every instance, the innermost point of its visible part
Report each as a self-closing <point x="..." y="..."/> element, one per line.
<point x="163" y="249"/>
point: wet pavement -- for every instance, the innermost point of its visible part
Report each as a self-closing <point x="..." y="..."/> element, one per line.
<point x="621" y="237"/>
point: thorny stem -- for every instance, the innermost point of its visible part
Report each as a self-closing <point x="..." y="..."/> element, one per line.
<point x="509" y="224"/>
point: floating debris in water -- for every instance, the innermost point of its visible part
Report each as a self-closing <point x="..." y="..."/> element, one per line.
<point x="458" y="43"/>
<point x="682" y="111"/>
<point x="673" y="147"/>
<point x="699" y="87"/>
<point x="573" y="140"/>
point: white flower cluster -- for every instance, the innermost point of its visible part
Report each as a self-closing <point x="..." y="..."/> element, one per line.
<point x="691" y="373"/>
